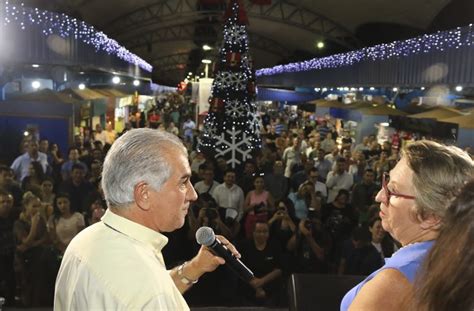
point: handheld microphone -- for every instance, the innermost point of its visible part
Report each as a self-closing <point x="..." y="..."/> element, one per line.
<point x="205" y="236"/>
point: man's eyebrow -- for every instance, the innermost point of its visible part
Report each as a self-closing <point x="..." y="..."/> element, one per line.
<point x="185" y="176"/>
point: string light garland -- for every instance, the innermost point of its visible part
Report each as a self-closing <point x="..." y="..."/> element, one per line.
<point x="440" y="41"/>
<point x="65" y="26"/>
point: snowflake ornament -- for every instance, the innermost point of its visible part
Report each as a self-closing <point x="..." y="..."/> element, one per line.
<point x="235" y="80"/>
<point x="235" y="109"/>
<point x="234" y="147"/>
<point x="236" y="34"/>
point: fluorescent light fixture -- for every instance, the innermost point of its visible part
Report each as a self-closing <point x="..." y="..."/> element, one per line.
<point x="136" y="82"/>
<point x="206" y="61"/>
<point x="35" y="65"/>
<point x="36" y="84"/>
<point x="384" y="124"/>
<point x="116" y="80"/>
<point x="82" y="86"/>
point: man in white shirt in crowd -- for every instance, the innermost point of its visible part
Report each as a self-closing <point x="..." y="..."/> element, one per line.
<point x="229" y="195"/>
<point x="208" y="184"/>
<point x="100" y="135"/>
<point x="117" y="264"/>
<point x="338" y="179"/>
<point x="21" y="165"/>
<point x="292" y="156"/>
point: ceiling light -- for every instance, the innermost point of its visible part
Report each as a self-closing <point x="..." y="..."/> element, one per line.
<point x="372" y="88"/>
<point x="458" y="88"/>
<point x="35" y="65"/>
<point x="422" y="88"/>
<point x="136" y="82"/>
<point x="320" y="44"/>
<point x="36" y="84"/>
<point x="361" y="89"/>
<point x="206" y="47"/>
<point x="395" y="89"/>
<point x="82" y="86"/>
<point x="116" y="80"/>
<point x="206" y="61"/>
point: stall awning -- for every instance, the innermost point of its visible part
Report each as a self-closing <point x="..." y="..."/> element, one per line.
<point x="112" y="93"/>
<point x="464" y="121"/>
<point x="438" y="113"/>
<point x="47" y="95"/>
<point x="85" y="94"/>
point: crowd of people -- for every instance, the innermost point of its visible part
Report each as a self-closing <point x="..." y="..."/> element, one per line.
<point x="308" y="202"/>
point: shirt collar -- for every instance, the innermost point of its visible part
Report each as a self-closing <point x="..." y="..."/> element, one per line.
<point x="135" y="230"/>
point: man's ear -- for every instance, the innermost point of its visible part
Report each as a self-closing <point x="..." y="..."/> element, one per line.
<point x="141" y="194"/>
<point x="430" y="222"/>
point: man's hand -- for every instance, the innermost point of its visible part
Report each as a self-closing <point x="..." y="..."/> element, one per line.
<point x="256" y="283"/>
<point x="206" y="261"/>
<point x="260" y="293"/>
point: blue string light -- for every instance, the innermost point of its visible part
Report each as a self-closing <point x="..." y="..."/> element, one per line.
<point x="439" y="41"/>
<point x="66" y="26"/>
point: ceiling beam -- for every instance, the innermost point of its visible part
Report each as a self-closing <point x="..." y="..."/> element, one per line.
<point x="281" y="11"/>
<point x="186" y="32"/>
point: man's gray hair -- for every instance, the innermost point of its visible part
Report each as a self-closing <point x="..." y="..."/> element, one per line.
<point x="137" y="156"/>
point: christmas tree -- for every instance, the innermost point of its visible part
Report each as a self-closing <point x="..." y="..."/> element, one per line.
<point x="231" y="128"/>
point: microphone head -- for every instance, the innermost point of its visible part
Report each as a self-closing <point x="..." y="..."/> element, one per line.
<point x="205" y="236"/>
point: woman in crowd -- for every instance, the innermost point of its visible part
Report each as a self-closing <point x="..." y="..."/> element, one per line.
<point x="283" y="222"/>
<point x="47" y="193"/>
<point x="302" y="199"/>
<point x="64" y="224"/>
<point x="380" y="240"/>
<point x="447" y="278"/>
<point x="257" y="206"/>
<point x="414" y="198"/>
<point x="31" y="241"/>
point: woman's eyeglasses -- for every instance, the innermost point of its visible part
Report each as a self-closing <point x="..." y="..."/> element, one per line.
<point x="388" y="193"/>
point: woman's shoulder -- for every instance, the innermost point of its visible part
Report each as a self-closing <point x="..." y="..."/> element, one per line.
<point x="374" y="292"/>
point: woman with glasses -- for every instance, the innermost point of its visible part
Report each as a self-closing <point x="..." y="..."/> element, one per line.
<point x="413" y="201"/>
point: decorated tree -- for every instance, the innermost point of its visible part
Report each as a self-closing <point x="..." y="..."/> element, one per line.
<point x="231" y="128"/>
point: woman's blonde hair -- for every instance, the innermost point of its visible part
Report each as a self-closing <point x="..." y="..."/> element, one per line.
<point x="27" y="198"/>
<point x="439" y="172"/>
